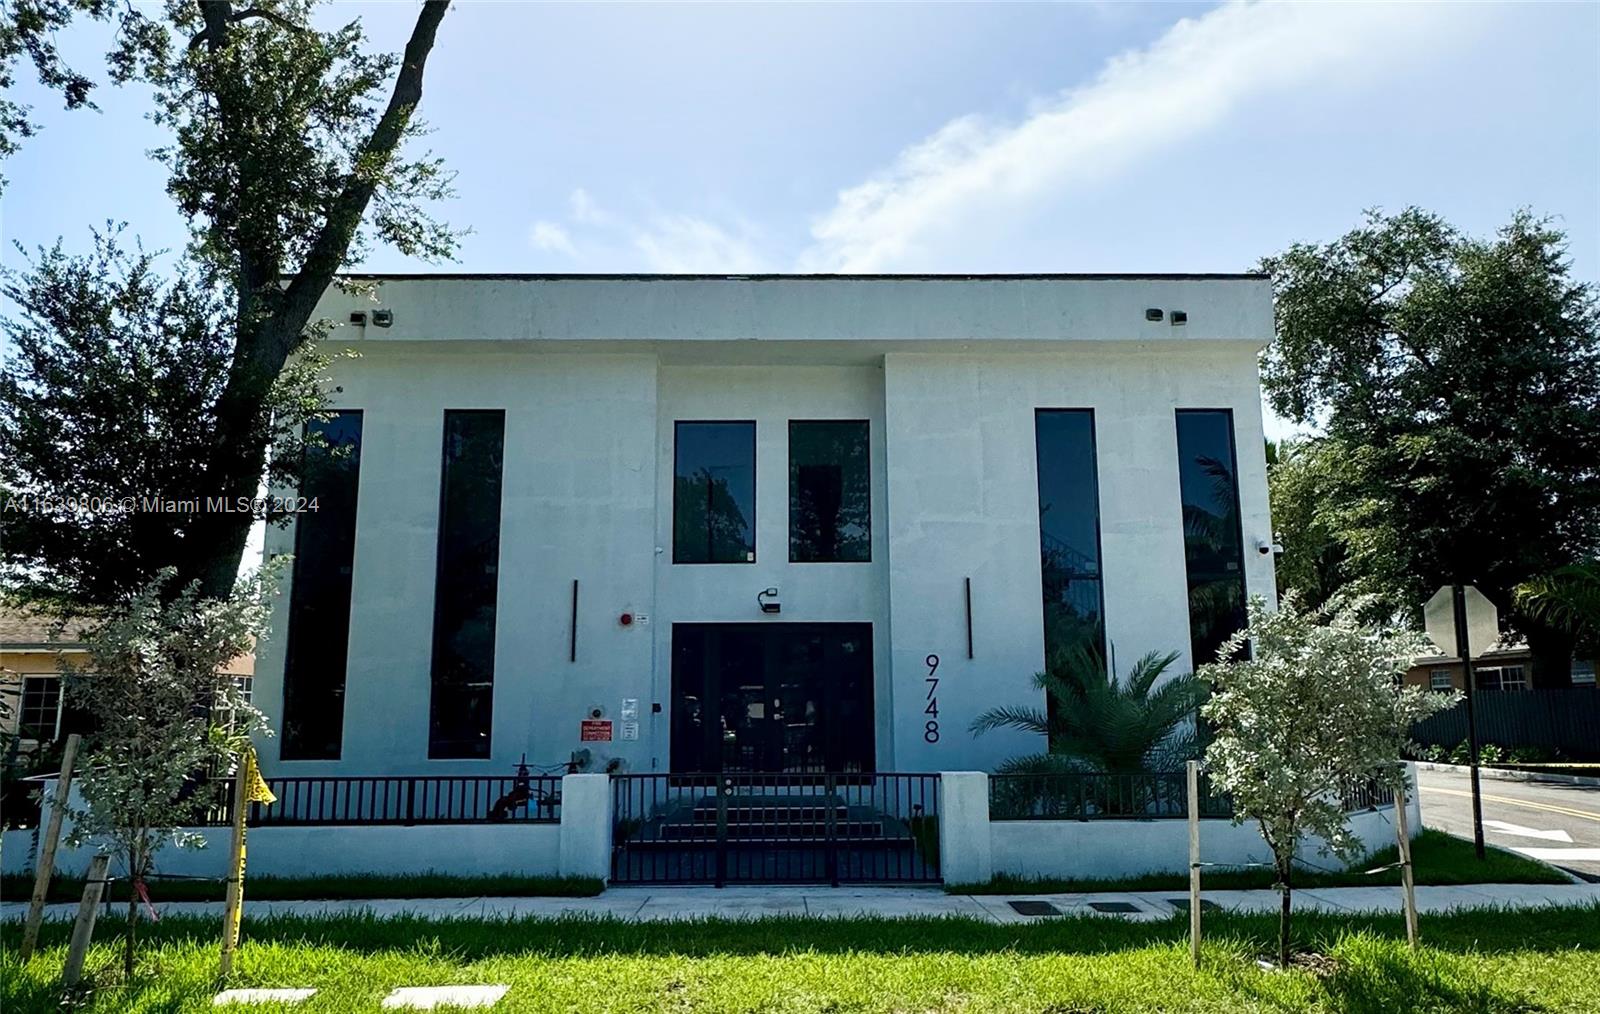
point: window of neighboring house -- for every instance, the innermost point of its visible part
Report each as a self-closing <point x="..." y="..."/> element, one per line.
<point x="714" y="492"/>
<point x="1439" y="679"/>
<point x="830" y="497"/>
<point x="1213" y="541"/>
<point x="466" y="585"/>
<point x="1583" y="672"/>
<point x="318" y="638"/>
<point x="39" y="711"/>
<point x="1510" y="677"/>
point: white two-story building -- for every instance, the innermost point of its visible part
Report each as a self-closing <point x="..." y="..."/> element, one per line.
<point x="756" y="523"/>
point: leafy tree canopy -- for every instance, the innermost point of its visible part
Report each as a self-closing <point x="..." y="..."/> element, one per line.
<point x="285" y="154"/>
<point x="1458" y="382"/>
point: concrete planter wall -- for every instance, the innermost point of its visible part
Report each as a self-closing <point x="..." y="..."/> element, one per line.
<point x="975" y="851"/>
<point x="579" y="845"/>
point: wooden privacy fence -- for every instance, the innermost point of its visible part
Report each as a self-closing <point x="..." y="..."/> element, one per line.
<point x="1567" y="720"/>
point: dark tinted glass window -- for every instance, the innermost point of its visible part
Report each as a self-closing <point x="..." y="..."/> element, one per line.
<point x="466" y="587"/>
<point x="830" y="499"/>
<point x="714" y="493"/>
<point x="1213" y="546"/>
<point x="1069" y="532"/>
<point x="319" y="599"/>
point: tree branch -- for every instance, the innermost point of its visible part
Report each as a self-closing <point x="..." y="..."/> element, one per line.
<point x="218" y="14"/>
<point x="333" y="242"/>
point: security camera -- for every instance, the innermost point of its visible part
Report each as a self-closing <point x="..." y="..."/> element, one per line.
<point x="1269" y="548"/>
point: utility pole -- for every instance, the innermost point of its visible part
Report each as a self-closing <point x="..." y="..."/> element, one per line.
<point x="1458" y="598"/>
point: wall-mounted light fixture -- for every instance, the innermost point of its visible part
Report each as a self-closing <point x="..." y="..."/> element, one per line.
<point x="1180" y="317"/>
<point x="358" y="317"/>
<point x="1154" y="313"/>
<point x="383" y="318"/>
<point x="768" y="600"/>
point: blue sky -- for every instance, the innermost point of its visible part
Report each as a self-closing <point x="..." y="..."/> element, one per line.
<point x="1082" y="137"/>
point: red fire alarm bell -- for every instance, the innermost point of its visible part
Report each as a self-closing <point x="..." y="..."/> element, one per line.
<point x="626" y="619"/>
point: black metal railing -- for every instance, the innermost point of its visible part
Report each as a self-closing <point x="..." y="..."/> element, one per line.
<point x="1095" y="796"/>
<point x="1370" y="795"/>
<point x="402" y="800"/>
<point x="775" y="828"/>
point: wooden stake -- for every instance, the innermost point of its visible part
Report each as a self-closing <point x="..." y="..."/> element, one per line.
<point x="235" y="892"/>
<point x="45" y="868"/>
<point x="83" y="927"/>
<point x="1408" y="878"/>
<point x="1194" y="862"/>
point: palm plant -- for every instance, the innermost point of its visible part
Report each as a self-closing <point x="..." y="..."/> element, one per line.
<point x="1097" y="722"/>
<point x="1567" y="598"/>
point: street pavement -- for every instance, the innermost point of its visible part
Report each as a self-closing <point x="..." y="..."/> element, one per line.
<point x="1557" y="823"/>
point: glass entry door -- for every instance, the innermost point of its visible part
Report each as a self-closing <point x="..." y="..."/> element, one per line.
<point x="782" y="697"/>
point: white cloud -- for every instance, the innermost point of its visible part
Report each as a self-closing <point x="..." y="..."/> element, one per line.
<point x="552" y="238"/>
<point x="585" y="211"/>
<point x="684" y="244"/>
<point x="1143" y="102"/>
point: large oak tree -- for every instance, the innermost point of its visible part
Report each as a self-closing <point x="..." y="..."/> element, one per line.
<point x="286" y="154"/>
<point x="1458" y="383"/>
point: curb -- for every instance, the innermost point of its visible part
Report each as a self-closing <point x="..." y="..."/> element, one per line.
<point x="1505" y="775"/>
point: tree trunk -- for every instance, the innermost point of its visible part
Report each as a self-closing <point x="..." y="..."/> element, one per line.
<point x="1285" y="872"/>
<point x="262" y="346"/>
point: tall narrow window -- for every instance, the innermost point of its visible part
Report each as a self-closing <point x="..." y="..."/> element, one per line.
<point x="1213" y="543"/>
<point x="830" y="498"/>
<point x="714" y="493"/>
<point x="319" y="599"/>
<point x="466" y="585"/>
<point x="1069" y="532"/>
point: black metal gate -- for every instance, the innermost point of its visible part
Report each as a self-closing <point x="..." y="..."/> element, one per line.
<point x="775" y="828"/>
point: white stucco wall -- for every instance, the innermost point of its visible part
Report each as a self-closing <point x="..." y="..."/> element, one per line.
<point x="964" y="502"/>
<point x="458" y="850"/>
<point x="592" y="374"/>
<point x="578" y="501"/>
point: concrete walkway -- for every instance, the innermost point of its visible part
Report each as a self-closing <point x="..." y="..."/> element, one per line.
<point x="667" y="903"/>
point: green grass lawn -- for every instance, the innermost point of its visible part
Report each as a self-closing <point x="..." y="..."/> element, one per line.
<point x="1437" y="858"/>
<point x="1494" y="961"/>
<point x="15" y="887"/>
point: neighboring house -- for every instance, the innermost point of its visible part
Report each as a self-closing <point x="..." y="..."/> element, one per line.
<point x="749" y="524"/>
<point x="31" y="650"/>
<point x="1501" y="661"/>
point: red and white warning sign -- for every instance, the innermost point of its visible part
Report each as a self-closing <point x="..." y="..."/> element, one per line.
<point x="595" y="730"/>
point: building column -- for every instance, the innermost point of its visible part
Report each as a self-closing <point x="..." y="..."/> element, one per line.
<point x="965" y="853"/>
<point x="586" y="826"/>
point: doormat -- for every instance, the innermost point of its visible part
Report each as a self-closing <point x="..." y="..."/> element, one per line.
<point x="1033" y="908"/>
<point x="1113" y="906"/>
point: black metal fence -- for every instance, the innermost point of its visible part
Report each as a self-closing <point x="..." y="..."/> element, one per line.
<point x="775" y="828"/>
<point x="1151" y="795"/>
<point x="1564" y="720"/>
<point x="394" y="800"/>
<point x="1096" y="796"/>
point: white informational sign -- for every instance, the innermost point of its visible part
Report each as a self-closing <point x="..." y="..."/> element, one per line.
<point x="1483" y="622"/>
<point x="630" y="709"/>
<point x="630" y="730"/>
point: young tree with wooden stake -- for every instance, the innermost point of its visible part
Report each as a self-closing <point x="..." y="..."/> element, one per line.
<point x="1316" y="709"/>
<point x="248" y="787"/>
<point x="166" y="714"/>
<point x="45" y="865"/>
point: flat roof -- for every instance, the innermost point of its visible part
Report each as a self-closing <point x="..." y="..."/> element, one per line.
<point x="1112" y="276"/>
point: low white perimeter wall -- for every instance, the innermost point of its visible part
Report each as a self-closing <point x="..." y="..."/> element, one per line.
<point x="462" y="850"/>
<point x="1127" y="848"/>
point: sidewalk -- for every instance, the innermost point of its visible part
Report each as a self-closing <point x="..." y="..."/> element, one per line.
<point x="667" y="903"/>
